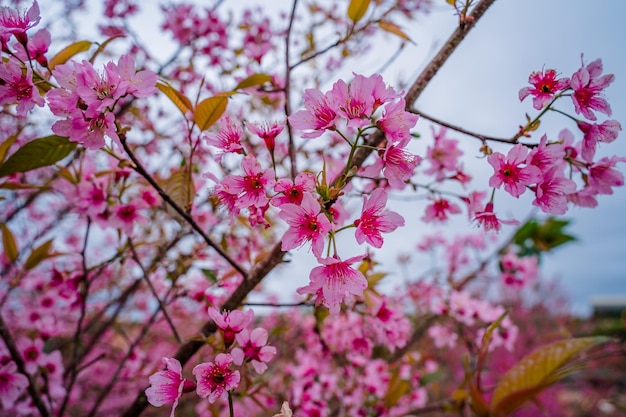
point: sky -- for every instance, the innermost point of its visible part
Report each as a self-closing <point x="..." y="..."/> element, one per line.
<point x="478" y="89"/>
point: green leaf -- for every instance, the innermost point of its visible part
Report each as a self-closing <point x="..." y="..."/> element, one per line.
<point x="6" y="145"/>
<point x="179" y="99"/>
<point x="357" y="9"/>
<point x="37" y="153"/>
<point x="8" y="242"/>
<point x="38" y="255"/>
<point x="209" y="111"/>
<point x="254" y="80"/>
<point x="535" y="372"/>
<point x="68" y="52"/>
<point x="210" y="275"/>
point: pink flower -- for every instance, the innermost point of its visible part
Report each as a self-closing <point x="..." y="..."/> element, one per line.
<point x="488" y="220"/>
<point x="334" y="281"/>
<point x="139" y="83"/>
<point x="125" y="216"/>
<point x="397" y="122"/>
<point x="228" y="139"/>
<point x="546" y="154"/>
<point x="375" y="220"/>
<point x="12" y="385"/>
<point x="354" y="102"/>
<point x="588" y="85"/>
<point x="306" y="224"/>
<point x="268" y="132"/>
<point x="231" y="323"/>
<point x="37" y="48"/>
<point x="167" y="386"/>
<point x="442" y="336"/>
<point x="606" y="131"/>
<point x="508" y="171"/>
<point x="397" y="164"/>
<point x="443" y="155"/>
<point x="544" y="86"/>
<point x="252" y="187"/>
<point x="11" y="22"/>
<point x="318" y="116"/>
<point x="215" y="379"/>
<point x="18" y="87"/>
<point x="439" y="210"/>
<point x="551" y="193"/>
<point x="293" y="191"/>
<point x="603" y="176"/>
<point x="253" y="349"/>
<point x="518" y="271"/>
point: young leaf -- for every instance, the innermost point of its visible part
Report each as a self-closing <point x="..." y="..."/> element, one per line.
<point x="357" y="9"/>
<point x="179" y="99"/>
<point x="391" y="27"/>
<point x="6" y="145"/>
<point x="8" y="242"/>
<point x="535" y="372"/>
<point x="253" y="80"/>
<point x="68" y="52"/>
<point x="209" y="111"/>
<point x="180" y="188"/>
<point x="37" y="153"/>
<point x="102" y="46"/>
<point x="38" y="255"/>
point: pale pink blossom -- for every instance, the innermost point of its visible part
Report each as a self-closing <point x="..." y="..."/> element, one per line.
<point x="588" y="85"/>
<point x="215" y="379"/>
<point x="442" y="336"/>
<point x="317" y="116"/>
<point x="375" y="219"/>
<point x="544" y="86"/>
<point x="166" y="386"/>
<point x="12" y="385"/>
<point x="551" y="193"/>
<point x="16" y="23"/>
<point x="439" y="210"/>
<point x="306" y="223"/>
<point x="489" y="221"/>
<point x="334" y="281"/>
<point x="231" y="322"/>
<point x="254" y="349"/>
<point x="443" y="156"/>
<point x="228" y="139"/>
<point x="509" y="172"/>
<point x="397" y="122"/>
<point x="606" y="131"/>
<point x="603" y="175"/>
<point x="18" y="88"/>
<point x="517" y="271"/>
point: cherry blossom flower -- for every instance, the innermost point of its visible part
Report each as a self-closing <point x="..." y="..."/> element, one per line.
<point x="606" y="131"/>
<point x="17" y="87"/>
<point x="489" y="221"/>
<point x="397" y="122"/>
<point x="517" y="272"/>
<point x="12" y="384"/>
<point x="250" y="188"/>
<point x="375" y="220"/>
<point x="546" y="155"/>
<point x="544" y="86"/>
<point x="551" y="192"/>
<point x="588" y="85"/>
<point x="306" y="224"/>
<point x="231" y="323"/>
<point x="603" y="176"/>
<point x="293" y="191"/>
<point x="12" y="22"/>
<point x="508" y="171"/>
<point x="254" y="349"/>
<point x="318" y="116"/>
<point x="167" y="386"/>
<point x="442" y="336"/>
<point x="354" y="102"/>
<point x="439" y="210"/>
<point x="334" y="281"/>
<point x="268" y="132"/>
<point x="215" y="379"/>
<point x="37" y="47"/>
<point x="397" y="164"/>
<point x="228" y="139"/>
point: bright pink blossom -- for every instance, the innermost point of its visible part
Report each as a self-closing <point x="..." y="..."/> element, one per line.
<point x="509" y="172"/>
<point x="443" y="156"/>
<point x="251" y="188"/>
<point x="231" y="323"/>
<point x="606" y="131"/>
<point x="397" y="164"/>
<point x="166" y="386"/>
<point x="293" y="191"/>
<point x="268" y="132"/>
<point x="517" y="272"/>
<point x="603" y="175"/>
<point x="228" y="139"/>
<point x="17" y="87"/>
<point x="306" y="224"/>
<point x="588" y="85"/>
<point x="488" y="219"/>
<point x="551" y="193"/>
<point x="546" y="155"/>
<point x="215" y="379"/>
<point x="254" y="349"/>
<point x="334" y="281"/>
<point x="12" y="22"/>
<point x="318" y="116"/>
<point x="12" y="384"/>
<point x="544" y="86"/>
<point x="37" y="47"/>
<point x="397" y="122"/>
<point x="375" y="220"/>
<point x="439" y="210"/>
<point x="354" y="102"/>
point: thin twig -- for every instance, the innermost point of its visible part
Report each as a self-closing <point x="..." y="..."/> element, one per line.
<point x="292" y="148"/>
